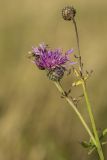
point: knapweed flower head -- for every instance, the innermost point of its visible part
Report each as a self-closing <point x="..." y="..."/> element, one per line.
<point x="53" y="61"/>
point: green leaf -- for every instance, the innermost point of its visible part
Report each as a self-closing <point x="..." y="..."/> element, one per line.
<point x="85" y="144"/>
<point x="89" y="145"/>
<point x="77" y="83"/>
<point x="104" y="132"/>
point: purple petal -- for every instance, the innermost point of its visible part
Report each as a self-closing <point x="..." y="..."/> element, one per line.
<point x="69" y="51"/>
<point x="42" y="46"/>
<point x="36" y="51"/>
<point x="71" y="63"/>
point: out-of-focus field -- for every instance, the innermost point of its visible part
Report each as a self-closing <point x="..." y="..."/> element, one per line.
<point x="35" y="123"/>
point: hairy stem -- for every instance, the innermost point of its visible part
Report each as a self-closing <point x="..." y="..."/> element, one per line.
<point x="76" y="111"/>
<point x="98" y="146"/>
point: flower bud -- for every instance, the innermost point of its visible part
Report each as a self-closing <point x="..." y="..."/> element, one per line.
<point x="68" y="13"/>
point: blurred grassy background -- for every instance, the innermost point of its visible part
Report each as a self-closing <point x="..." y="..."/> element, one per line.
<point x="35" y="123"/>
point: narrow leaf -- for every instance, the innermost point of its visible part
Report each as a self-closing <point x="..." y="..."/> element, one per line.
<point x="77" y="83"/>
<point x="85" y="144"/>
<point x="104" y="132"/>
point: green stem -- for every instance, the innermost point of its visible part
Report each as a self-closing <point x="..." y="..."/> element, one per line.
<point x="78" y="45"/>
<point x="77" y="37"/>
<point x="99" y="148"/>
<point x="76" y="111"/>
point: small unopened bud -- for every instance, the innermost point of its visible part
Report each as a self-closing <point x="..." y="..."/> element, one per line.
<point x="68" y="13"/>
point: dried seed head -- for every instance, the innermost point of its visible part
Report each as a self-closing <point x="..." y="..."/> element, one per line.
<point x="68" y="13"/>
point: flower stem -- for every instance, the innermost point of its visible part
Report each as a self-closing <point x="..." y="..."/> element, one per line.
<point x="76" y="111"/>
<point x="78" y="45"/>
<point x="98" y="146"/>
<point x="77" y="37"/>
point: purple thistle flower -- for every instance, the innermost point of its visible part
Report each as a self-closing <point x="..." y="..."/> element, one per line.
<point x="47" y="59"/>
